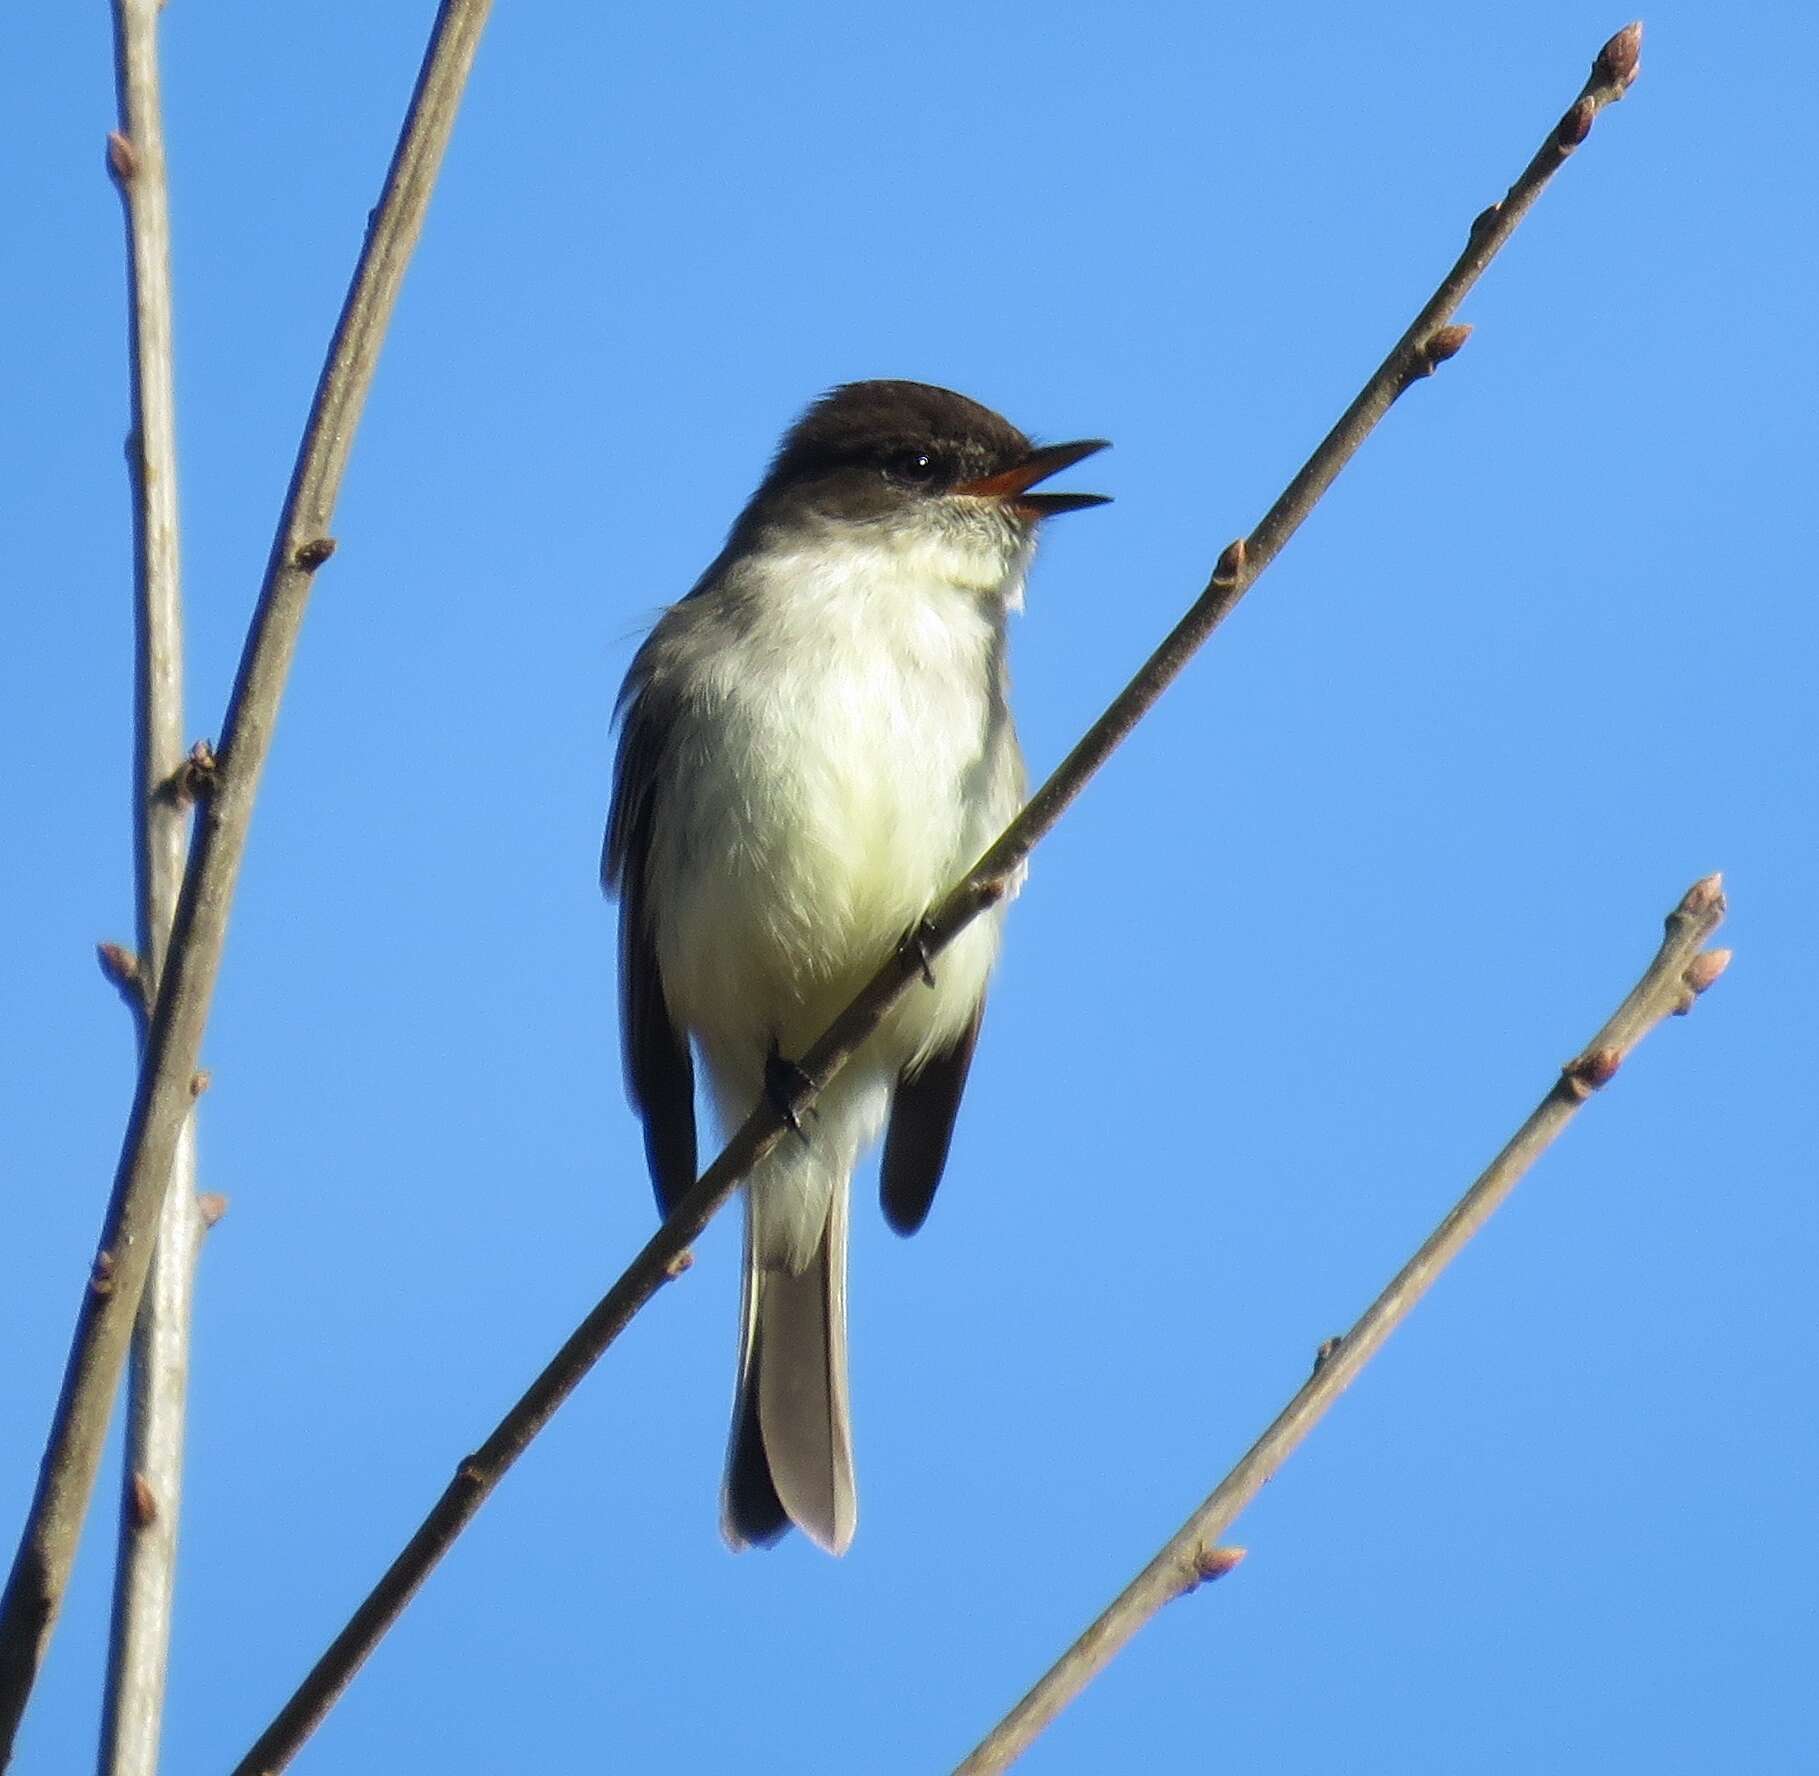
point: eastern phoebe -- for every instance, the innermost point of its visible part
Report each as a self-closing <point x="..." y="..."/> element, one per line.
<point x="815" y="743"/>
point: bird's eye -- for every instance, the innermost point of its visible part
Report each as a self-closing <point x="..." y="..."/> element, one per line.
<point x="916" y="466"/>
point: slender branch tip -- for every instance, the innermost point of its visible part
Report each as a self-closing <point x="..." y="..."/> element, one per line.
<point x="1192" y="1550"/>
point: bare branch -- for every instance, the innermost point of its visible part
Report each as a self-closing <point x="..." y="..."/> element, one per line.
<point x="162" y="1102"/>
<point x="152" y="1483"/>
<point x="1673" y="980"/>
<point x="151" y="1503"/>
<point x="1426" y="344"/>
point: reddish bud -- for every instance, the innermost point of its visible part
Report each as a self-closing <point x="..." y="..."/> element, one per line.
<point x="1576" y="125"/>
<point x="1444" y="343"/>
<point x="1703" y="896"/>
<point x="145" y="1503"/>
<point x="1620" y="60"/>
<point x="120" y="966"/>
<point x="1587" y="1072"/>
<point x="1214" y="1563"/>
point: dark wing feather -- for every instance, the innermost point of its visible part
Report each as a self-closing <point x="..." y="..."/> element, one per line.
<point x="923" y="1109"/>
<point x="659" y="1075"/>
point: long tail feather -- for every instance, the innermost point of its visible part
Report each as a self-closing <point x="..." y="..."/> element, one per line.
<point x="790" y="1457"/>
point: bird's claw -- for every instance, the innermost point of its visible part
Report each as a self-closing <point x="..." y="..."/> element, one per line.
<point x="917" y="944"/>
<point x="782" y="1080"/>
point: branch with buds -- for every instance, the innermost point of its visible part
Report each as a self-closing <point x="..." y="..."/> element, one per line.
<point x="1680" y="972"/>
<point x="168" y="1072"/>
<point x="1429" y="341"/>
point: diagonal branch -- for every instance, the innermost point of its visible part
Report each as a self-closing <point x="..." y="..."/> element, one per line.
<point x="1679" y="973"/>
<point x="151" y="1500"/>
<point x="1428" y="342"/>
<point x="167" y="1074"/>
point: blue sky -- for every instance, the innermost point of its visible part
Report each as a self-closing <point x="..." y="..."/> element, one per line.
<point x="1285" y="978"/>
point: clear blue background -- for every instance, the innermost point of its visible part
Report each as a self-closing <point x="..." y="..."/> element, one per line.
<point x="1288" y="975"/>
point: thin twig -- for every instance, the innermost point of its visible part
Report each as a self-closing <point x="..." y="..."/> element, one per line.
<point x="1426" y="344"/>
<point x="168" y="1069"/>
<point x="152" y="1468"/>
<point x="1678" y="974"/>
<point x="151" y="1497"/>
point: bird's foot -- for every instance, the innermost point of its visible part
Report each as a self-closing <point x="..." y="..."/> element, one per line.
<point x="782" y="1080"/>
<point x="917" y="947"/>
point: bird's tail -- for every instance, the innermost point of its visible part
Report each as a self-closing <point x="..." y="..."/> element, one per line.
<point x="790" y="1458"/>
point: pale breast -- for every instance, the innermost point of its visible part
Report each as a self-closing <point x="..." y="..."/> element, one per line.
<point x="847" y="757"/>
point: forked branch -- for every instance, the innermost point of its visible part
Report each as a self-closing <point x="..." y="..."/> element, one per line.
<point x="161" y="1105"/>
<point x="1428" y="342"/>
<point x="1680" y="972"/>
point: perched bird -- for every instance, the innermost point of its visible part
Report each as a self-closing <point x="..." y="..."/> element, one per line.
<point x="815" y="743"/>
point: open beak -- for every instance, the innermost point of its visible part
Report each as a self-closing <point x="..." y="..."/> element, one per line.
<point x="1013" y="485"/>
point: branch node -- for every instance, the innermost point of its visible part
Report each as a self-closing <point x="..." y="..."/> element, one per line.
<point x="200" y="1081"/>
<point x="1325" y="1352"/>
<point x="683" y="1261"/>
<point x="1229" y="565"/>
<point x="1441" y="344"/>
<point x="1483" y="220"/>
<point x="211" y="1205"/>
<point x="1620" y="60"/>
<point x="471" y="1472"/>
<point x="1700" y="973"/>
<point x="101" y="1273"/>
<point x="145" y="1502"/>
<point x="1585" y="1073"/>
<point x="1576" y="125"/>
<point x="311" y="555"/>
<point x="1206" y="1564"/>
<point x="193" y="779"/>
<point x="122" y="157"/>
<point x="989" y="890"/>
